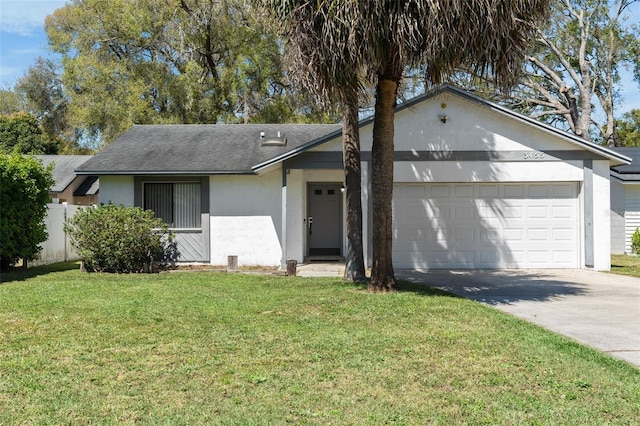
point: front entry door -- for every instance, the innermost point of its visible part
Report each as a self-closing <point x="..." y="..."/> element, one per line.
<point x="324" y="223"/>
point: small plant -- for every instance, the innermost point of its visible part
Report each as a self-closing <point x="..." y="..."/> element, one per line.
<point x="635" y="242"/>
<point x="112" y="238"/>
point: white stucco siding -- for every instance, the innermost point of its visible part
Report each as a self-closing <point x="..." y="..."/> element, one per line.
<point x="296" y="212"/>
<point x="617" y="218"/>
<point x="482" y="171"/>
<point x="246" y="219"/>
<point x="332" y="145"/>
<point x="116" y="190"/>
<point x="469" y="127"/>
<point x="252" y="238"/>
<point x="323" y="176"/>
<point x="632" y="213"/>
<point x="601" y="216"/>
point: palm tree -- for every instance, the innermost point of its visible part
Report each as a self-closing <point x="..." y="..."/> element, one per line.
<point x="323" y="47"/>
<point x="489" y="37"/>
<point x="335" y="40"/>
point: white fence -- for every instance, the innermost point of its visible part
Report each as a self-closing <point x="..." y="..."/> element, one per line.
<point x="58" y="247"/>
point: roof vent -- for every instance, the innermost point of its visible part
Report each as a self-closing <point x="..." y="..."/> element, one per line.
<point x="278" y="140"/>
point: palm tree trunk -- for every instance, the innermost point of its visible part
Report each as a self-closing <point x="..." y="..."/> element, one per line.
<point x="354" y="266"/>
<point x="382" y="276"/>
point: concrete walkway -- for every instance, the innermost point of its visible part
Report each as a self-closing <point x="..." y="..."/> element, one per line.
<point x="598" y="309"/>
<point x="320" y="269"/>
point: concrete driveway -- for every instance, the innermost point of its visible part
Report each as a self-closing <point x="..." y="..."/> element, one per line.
<point x="595" y="308"/>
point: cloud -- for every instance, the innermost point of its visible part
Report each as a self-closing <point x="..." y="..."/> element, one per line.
<point x="26" y="17"/>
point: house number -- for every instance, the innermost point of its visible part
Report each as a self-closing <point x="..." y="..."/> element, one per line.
<point x="534" y="155"/>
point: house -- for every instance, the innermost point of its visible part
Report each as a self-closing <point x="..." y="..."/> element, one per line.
<point x="625" y="200"/>
<point x="476" y="186"/>
<point x="69" y="187"/>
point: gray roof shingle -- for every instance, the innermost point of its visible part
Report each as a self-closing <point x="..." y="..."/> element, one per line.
<point x="63" y="169"/>
<point x="634" y="154"/>
<point x="200" y="148"/>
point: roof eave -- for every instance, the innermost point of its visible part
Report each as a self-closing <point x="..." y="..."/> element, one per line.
<point x="625" y="177"/>
<point x="164" y="172"/>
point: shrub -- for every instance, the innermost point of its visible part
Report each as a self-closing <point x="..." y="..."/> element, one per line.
<point x="112" y="238"/>
<point x="635" y="242"/>
<point x="24" y="194"/>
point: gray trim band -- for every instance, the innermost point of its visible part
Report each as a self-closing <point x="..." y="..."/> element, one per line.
<point x="333" y="159"/>
<point x="523" y="155"/>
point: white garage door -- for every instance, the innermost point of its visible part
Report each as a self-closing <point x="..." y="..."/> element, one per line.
<point x="486" y="225"/>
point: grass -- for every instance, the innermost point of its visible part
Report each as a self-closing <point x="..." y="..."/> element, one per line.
<point x="216" y="348"/>
<point x="625" y="264"/>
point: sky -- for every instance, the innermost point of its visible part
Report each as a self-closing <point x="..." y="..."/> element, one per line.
<point x="22" y="40"/>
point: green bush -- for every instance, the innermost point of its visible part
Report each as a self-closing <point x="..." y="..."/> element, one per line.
<point x="112" y="238"/>
<point x="24" y="194"/>
<point x="635" y="242"/>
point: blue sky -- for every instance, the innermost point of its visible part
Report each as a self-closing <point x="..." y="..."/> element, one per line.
<point x="22" y="40"/>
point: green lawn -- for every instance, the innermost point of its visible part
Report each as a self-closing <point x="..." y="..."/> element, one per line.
<point x="216" y="348"/>
<point x="625" y="265"/>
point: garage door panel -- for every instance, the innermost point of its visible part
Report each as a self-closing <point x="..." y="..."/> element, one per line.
<point x="563" y="212"/>
<point x="512" y="212"/>
<point x="463" y="212"/>
<point x="537" y="212"/>
<point x="489" y="235"/>
<point x="441" y="212"/>
<point x="513" y="191"/>
<point x="440" y="191"/>
<point x="564" y="234"/>
<point x="538" y="258"/>
<point x="538" y="234"/>
<point x="487" y="226"/>
<point x="564" y="190"/>
<point x="415" y="210"/>
<point x="463" y="234"/>
<point x="464" y="192"/>
<point x="563" y="258"/>
<point x="515" y="234"/>
<point x="538" y="191"/>
<point x="488" y="191"/>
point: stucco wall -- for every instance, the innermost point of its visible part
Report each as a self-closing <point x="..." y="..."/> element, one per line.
<point x="601" y="216"/>
<point x="296" y="214"/>
<point x="483" y="171"/>
<point x="469" y="127"/>
<point x="117" y="190"/>
<point x="246" y="219"/>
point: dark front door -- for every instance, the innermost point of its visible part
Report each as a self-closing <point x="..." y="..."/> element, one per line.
<point x="325" y="219"/>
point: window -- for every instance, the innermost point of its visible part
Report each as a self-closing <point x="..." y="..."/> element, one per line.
<point x="177" y="204"/>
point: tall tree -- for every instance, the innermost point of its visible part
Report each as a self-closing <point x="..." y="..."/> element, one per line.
<point x="44" y="92"/>
<point x="573" y="77"/>
<point x="11" y="102"/>
<point x="488" y="37"/>
<point x="158" y="61"/>
<point x="629" y="128"/>
<point x="20" y="132"/>
<point x="323" y="47"/>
